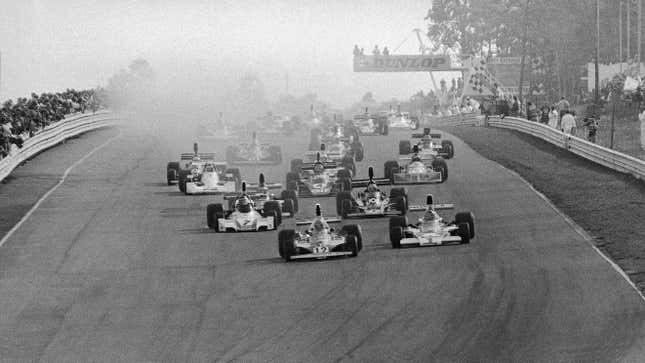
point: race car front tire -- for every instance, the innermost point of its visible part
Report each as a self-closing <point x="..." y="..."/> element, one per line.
<point x="390" y="168"/>
<point x="345" y="184"/>
<point x="286" y="246"/>
<point x="287" y="207"/>
<point x="359" y="152"/>
<point x="441" y="166"/>
<point x="211" y="211"/>
<point x="171" y="171"/>
<point x="355" y="230"/>
<point x="340" y="197"/>
<point x="398" y="192"/>
<point x="448" y="148"/>
<point x="396" y="235"/>
<point x="344" y="173"/>
<point x="296" y="164"/>
<point x="463" y="232"/>
<point x="291" y="194"/>
<point x="292" y="186"/>
<point x="401" y="204"/>
<point x="273" y="206"/>
<point x="469" y="218"/>
<point x="351" y="245"/>
<point x="404" y="147"/>
<point x="386" y="130"/>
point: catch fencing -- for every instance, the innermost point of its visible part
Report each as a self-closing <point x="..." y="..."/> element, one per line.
<point x="53" y="134"/>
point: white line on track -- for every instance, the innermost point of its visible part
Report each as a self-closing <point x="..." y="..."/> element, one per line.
<point x="61" y="181"/>
<point x="576" y="228"/>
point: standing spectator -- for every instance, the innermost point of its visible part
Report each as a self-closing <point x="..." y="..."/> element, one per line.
<point x="592" y="128"/>
<point x="544" y="114"/>
<point x="356" y="50"/>
<point x="386" y="51"/>
<point x="568" y="123"/>
<point x="515" y="107"/>
<point x="563" y="105"/>
<point x="553" y="117"/>
<point x="531" y="112"/>
<point x="376" y="51"/>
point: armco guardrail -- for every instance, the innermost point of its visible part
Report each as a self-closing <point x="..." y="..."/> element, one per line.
<point x="53" y="134"/>
<point x="588" y="150"/>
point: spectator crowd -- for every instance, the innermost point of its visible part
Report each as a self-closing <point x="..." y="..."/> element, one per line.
<point x="23" y="118"/>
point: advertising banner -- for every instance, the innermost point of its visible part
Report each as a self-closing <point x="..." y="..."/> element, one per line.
<point x="402" y="63"/>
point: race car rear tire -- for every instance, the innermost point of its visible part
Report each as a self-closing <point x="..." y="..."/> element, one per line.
<point x="211" y="211"/>
<point x="463" y="232"/>
<point x="440" y="165"/>
<point x="286" y="246"/>
<point x="292" y="176"/>
<point x="448" y="148"/>
<point x="359" y="152"/>
<point x="345" y="208"/>
<point x="386" y="129"/>
<point x="288" y="207"/>
<point x="291" y="194"/>
<point x="296" y="164"/>
<point x="401" y="204"/>
<point x="351" y="245"/>
<point x="398" y="192"/>
<point x="273" y="206"/>
<point x="182" y="184"/>
<point x="171" y="171"/>
<point x="396" y="235"/>
<point x="340" y="197"/>
<point x="398" y="221"/>
<point x="218" y="215"/>
<point x="344" y="173"/>
<point x="405" y="146"/>
<point x="355" y="230"/>
<point x="466" y="217"/>
<point x="345" y="184"/>
<point x="348" y="163"/>
<point x="275" y="153"/>
<point x="390" y="168"/>
<point x="292" y="186"/>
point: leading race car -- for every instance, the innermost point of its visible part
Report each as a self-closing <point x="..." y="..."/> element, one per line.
<point x="372" y="202"/>
<point x="430" y="144"/>
<point x="318" y="178"/>
<point x="431" y="230"/>
<point x="402" y="120"/>
<point x="245" y="216"/>
<point x="199" y="173"/>
<point x="260" y="195"/>
<point x="343" y="141"/>
<point x="253" y="153"/>
<point x="416" y="169"/>
<point x="320" y="241"/>
<point x="334" y="154"/>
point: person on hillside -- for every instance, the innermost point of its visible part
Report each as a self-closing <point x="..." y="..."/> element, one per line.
<point x="376" y="51"/>
<point x="553" y="117"/>
<point x="592" y="128"/>
<point x="568" y="123"/>
<point x="544" y="114"/>
<point x="531" y="112"/>
<point x="357" y="51"/>
<point x="515" y="107"/>
<point x="386" y="51"/>
<point x="563" y="105"/>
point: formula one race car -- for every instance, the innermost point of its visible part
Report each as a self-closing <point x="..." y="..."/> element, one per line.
<point x="402" y="120"/>
<point x="318" y="178"/>
<point x="199" y="173"/>
<point x="259" y="193"/>
<point x="416" y="170"/>
<point x="342" y="141"/>
<point x="430" y="144"/>
<point x="319" y="241"/>
<point x="431" y="230"/>
<point x="332" y="154"/>
<point x="245" y="216"/>
<point x="372" y="202"/>
<point x="254" y="153"/>
<point x="367" y="124"/>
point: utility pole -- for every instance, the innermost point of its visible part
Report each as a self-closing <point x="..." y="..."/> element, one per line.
<point x="640" y="29"/>
<point x="629" y="30"/>
<point x="0" y="76"/>
<point x="596" y="75"/>
<point x="526" y="31"/>
<point x="620" y="35"/>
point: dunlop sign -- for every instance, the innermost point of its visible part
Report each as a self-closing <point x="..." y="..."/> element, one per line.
<point x="401" y="63"/>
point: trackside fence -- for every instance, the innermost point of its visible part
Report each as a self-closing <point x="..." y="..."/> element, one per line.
<point x="54" y="134"/>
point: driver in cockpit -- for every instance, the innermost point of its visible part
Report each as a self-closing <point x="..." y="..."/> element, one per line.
<point x="244" y="204"/>
<point x="426" y="142"/>
<point x="371" y="191"/>
<point x="319" y="168"/>
<point x="319" y="228"/>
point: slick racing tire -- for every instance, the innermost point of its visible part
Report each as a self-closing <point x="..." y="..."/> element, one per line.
<point x="296" y="164"/>
<point x="359" y="152"/>
<point x="211" y="211"/>
<point x="348" y="163"/>
<point x="405" y="147"/>
<point x="351" y="245"/>
<point x="273" y="206"/>
<point x="287" y="207"/>
<point x="401" y="204"/>
<point x="171" y="171"/>
<point x="290" y="194"/>
<point x="356" y="231"/>
<point x="340" y="198"/>
<point x="390" y="168"/>
<point x="292" y="186"/>
<point x="386" y="130"/>
<point x="469" y="218"/>
<point x="344" y="173"/>
<point x="463" y="232"/>
<point x="286" y="243"/>
<point x="345" y="184"/>
<point x="345" y="208"/>
<point x="398" y="192"/>
<point x="448" y="148"/>
<point x="292" y="176"/>
<point x="396" y="235"/>
<point x="441" y="166"/>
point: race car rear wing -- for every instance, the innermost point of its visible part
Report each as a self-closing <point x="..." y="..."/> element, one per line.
<point x="356" y="183"/>
<point x="202" y="156"/>
<point x="432" y="135"/>
<point x="308" y="222"/>
<point x="326" y="165"/>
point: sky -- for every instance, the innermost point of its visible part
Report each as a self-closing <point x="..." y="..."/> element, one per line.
<point x="51" y="45"/>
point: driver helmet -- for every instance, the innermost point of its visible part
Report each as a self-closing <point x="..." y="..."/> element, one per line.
<point x="318" y="226"/>
<point x="416" y="157"/>
<point x="371" y="189"/>
<point x="430" y="215"/>
<point x="318" y="168"/>
<point x="244" y="204"/>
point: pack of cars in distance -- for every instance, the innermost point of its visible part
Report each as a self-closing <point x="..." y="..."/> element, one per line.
<point x="329" y="170"/>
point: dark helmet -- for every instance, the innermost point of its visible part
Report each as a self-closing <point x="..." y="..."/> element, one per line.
<point x="244" y="204"/>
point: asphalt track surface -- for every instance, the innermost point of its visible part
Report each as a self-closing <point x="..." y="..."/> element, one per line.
<point x="117" y="266"/>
